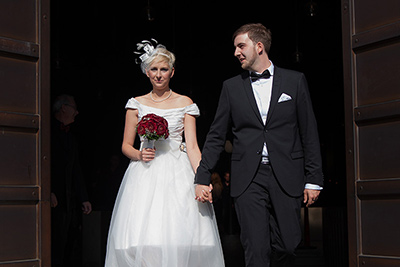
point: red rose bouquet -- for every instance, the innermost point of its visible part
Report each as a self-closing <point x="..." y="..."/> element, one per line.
<point x="153" y="127"/>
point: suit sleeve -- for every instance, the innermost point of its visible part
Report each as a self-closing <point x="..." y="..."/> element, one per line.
<point x="77" y="174"/>
<point x="309" y="135"/>
<point x="215" y="141"/>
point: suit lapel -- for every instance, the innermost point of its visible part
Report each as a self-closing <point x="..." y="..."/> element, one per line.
<point x="276" y="92"/>
<point x="250" y="95"/>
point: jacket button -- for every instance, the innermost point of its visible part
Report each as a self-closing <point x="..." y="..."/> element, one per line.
<point x="258" y="152"/>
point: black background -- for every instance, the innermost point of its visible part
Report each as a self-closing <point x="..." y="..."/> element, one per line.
<point x="92" y="59"/>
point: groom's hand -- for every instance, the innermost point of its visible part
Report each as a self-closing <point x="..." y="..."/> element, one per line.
<point x="203" y="193"/>
<point x="310" y="196"/>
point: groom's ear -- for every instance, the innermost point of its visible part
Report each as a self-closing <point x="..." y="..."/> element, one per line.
<point x="260" y="48"/>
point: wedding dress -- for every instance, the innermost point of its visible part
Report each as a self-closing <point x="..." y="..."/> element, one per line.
<point x="156" y="221"/>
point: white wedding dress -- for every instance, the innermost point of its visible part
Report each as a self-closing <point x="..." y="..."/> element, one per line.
<point x="156" y="221"/>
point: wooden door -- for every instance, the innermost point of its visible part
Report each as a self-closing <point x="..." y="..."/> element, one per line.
<point x="24" y="133"/>
<point x="371" y="45"/>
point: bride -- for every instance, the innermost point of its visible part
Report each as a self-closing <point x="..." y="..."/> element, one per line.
<point x="157" y="221"/>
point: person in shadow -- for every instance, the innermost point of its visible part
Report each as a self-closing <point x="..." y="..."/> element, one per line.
<point x="68" y="191"/>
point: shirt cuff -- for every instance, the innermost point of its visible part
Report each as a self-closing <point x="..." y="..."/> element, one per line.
<point x="313" y="187"/>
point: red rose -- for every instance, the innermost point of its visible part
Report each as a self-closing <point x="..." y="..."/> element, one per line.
<point x="157" y="118"/>
<point x="161" y="129"/>
<point x="165" y="122"/>
<point x="152" y="116"/>
<point x="151" y="126"/>
<point x="141" y="130"/>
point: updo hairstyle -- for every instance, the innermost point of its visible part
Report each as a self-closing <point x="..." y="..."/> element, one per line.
<point x="160" y="54"/>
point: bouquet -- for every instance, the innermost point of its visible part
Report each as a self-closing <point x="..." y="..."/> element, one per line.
<point x="153" y="127"/>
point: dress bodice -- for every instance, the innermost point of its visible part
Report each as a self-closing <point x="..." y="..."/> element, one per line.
<point x="174" y="116"/>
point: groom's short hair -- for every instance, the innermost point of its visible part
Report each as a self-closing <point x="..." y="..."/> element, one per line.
<point x="257" y="33"/>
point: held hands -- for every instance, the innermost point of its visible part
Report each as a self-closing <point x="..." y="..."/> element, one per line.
<point x="310" y="196"/>
<point x="147" y="154"/>
<point x="203" y="193"/>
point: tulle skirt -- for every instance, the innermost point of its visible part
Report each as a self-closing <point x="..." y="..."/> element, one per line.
<point x="156" y="221"/>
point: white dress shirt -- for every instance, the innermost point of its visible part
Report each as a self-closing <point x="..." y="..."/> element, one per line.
<point x="262" y="89"/>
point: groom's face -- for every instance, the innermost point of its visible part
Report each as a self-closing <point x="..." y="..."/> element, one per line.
<point x="245" y="51"/>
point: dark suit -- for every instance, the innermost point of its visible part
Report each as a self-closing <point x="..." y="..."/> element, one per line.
<point x="293" y="145"/>
<point x="69" y="187"/>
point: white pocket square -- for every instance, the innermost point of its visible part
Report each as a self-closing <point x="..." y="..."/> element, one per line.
<point x="284" y="97"/>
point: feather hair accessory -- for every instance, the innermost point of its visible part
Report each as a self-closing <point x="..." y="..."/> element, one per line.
<point x="144" y="49"/>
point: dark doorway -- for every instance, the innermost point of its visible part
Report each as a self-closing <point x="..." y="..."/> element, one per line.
<point x="92" y="59"/>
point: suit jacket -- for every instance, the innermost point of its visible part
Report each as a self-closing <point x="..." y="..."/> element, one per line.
<point x="67" y="181"/>
<point x="290" y="133"/>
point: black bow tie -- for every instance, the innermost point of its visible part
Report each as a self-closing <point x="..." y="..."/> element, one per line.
<point x="255" y="76"/>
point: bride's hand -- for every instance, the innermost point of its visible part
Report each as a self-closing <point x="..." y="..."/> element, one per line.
<point x="203" y="193"/>
<point x="147" y="154"/>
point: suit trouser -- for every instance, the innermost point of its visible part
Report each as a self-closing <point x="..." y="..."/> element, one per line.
<point x="269" y="220"/>
<point x="65" y="237"/>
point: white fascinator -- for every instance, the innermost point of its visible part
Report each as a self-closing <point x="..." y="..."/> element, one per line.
<point x="144" y="49"/>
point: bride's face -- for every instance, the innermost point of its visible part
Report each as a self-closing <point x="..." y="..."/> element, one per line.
<point x="160" y="74"/>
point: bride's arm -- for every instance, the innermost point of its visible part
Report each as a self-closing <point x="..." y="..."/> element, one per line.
<point x="192" y="148"/>
<point x="131" y="120"/>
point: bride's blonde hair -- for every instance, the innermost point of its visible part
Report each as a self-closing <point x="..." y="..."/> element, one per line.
<point x="160" y="54"/>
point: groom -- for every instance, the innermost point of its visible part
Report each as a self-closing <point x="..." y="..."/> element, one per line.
<point x="276" y="161"/>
